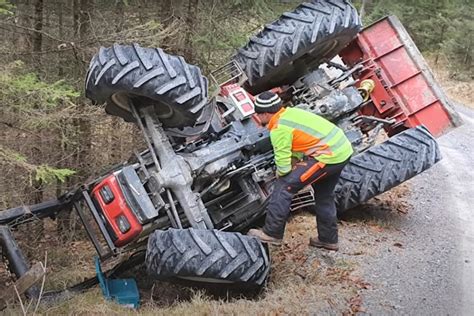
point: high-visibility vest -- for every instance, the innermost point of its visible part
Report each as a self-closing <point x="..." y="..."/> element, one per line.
<point x="295" y="132"/>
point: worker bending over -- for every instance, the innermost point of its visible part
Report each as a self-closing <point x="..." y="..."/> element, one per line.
<point x="309" y="150"/>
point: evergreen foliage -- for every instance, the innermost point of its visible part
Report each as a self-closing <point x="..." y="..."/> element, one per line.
<point x="40" y="173"/>
<point x="23" y="90"/>
<point x="6" y="7"/>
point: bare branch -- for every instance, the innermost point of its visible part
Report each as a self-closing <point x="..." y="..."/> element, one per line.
<point x="33" y="30"/>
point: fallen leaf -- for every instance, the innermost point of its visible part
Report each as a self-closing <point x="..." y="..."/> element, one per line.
<point x="376" y="228"/>
<point x="301" y="273"/>
<point x="355" y="253"/>
<point x="315" y="264"/>
<point x="355" y="306"/>
<point x="359" y="282"/>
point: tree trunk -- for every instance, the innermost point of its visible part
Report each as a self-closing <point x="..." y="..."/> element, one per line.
<point x="166" y="16"/>
<point x="120" y="15"/>
<point x="170" y="11"/>
<point x="61" y="36"/>
<point x="166" y="11"/>
<point x="37" y="37"/>
<point x="141" y="8"/>
<point x="441" y="39"/>
<point x="191" y="21"/>
<point x="467" y="54"/>
<point x="85" y="9"/>
<point x="23" y="19"/>
<point x="85" y="132"/>
<point x="75" y="17"/>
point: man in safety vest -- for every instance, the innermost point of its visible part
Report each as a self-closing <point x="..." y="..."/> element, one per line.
<point x="309" y="150"/>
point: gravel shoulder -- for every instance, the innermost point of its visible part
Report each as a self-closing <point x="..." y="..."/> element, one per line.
<point x="431" y="269"/>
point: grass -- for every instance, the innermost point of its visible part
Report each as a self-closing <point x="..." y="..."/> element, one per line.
<point x="303" y="280"/>
<point x="460" y="91"/>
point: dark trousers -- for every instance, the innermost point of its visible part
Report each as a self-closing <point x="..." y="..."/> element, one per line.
<point x="323" y="178"/>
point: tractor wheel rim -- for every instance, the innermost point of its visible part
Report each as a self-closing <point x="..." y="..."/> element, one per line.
<point x="121" y="99"/>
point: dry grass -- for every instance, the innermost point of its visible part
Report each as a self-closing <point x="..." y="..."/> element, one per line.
<point x="460" y="91"/>
<point x="303" y="280"/>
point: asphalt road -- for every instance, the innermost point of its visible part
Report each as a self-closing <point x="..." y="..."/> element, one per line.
<point x="431" y="271"/>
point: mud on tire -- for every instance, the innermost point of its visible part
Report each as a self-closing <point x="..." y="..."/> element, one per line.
<point x="385" y="166"/>
<point x="297" y="42"/>
<point x="207" y="255"/>
<point x="147" y="76"/>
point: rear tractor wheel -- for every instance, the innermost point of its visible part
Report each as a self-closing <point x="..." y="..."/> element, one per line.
<point x="386" y="165"/>
<point x="298" y="42"/>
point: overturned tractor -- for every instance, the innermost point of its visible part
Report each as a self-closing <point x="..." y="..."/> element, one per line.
<point x="182" y="204"/>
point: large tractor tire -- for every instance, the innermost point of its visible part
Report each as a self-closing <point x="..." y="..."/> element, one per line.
<point x="209" y="256"/>
<point x="385" y="166"/>
<point x="147" y="76"/>
<point x="298" y="42"/>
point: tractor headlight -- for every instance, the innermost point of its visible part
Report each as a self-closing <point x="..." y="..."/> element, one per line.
<point x="106" y="194"/>
<point x="123" y="224"/>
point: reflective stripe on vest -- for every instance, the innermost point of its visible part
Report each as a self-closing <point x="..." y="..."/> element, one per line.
<point x="309" y="130"/>
<point x="323" y="139"/>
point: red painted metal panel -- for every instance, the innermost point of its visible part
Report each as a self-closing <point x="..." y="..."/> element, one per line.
<point x="405" y="88"/>
<point x="415" y="94"/>
<point x="433" y="117"/>
<point x="399" y="61"/>
<point x="380" y="38"/>
<point x="116" y="208"/>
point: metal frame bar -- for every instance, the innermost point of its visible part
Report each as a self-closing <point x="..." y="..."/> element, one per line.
<point x="227" y="73"/>
<point x="173" y="215"/>
<point x="17" y="262"/>
<point x="40" y="210"/>
<point x="103" y="253"/>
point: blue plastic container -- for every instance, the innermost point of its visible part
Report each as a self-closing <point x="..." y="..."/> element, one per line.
<point x="123" y="291"/>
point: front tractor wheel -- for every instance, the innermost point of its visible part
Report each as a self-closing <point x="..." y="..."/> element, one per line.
<point x="129" y="74"/>
<point x="209" y="256"/>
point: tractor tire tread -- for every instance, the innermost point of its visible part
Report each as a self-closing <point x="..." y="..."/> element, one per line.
<point x="207" y="254"/>
<point x="386" y="165"/>
<point x="150" y="73"/>
<point x="293" y="35"/>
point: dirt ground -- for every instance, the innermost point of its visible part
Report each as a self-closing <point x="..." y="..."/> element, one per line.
<point x="462" y="92"/>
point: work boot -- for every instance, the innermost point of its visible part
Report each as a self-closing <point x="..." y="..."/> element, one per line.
<point x="260" y="234"/>
<point x="315" y="242"/>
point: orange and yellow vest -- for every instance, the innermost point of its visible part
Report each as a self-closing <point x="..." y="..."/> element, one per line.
<point x="296" y="133"/>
